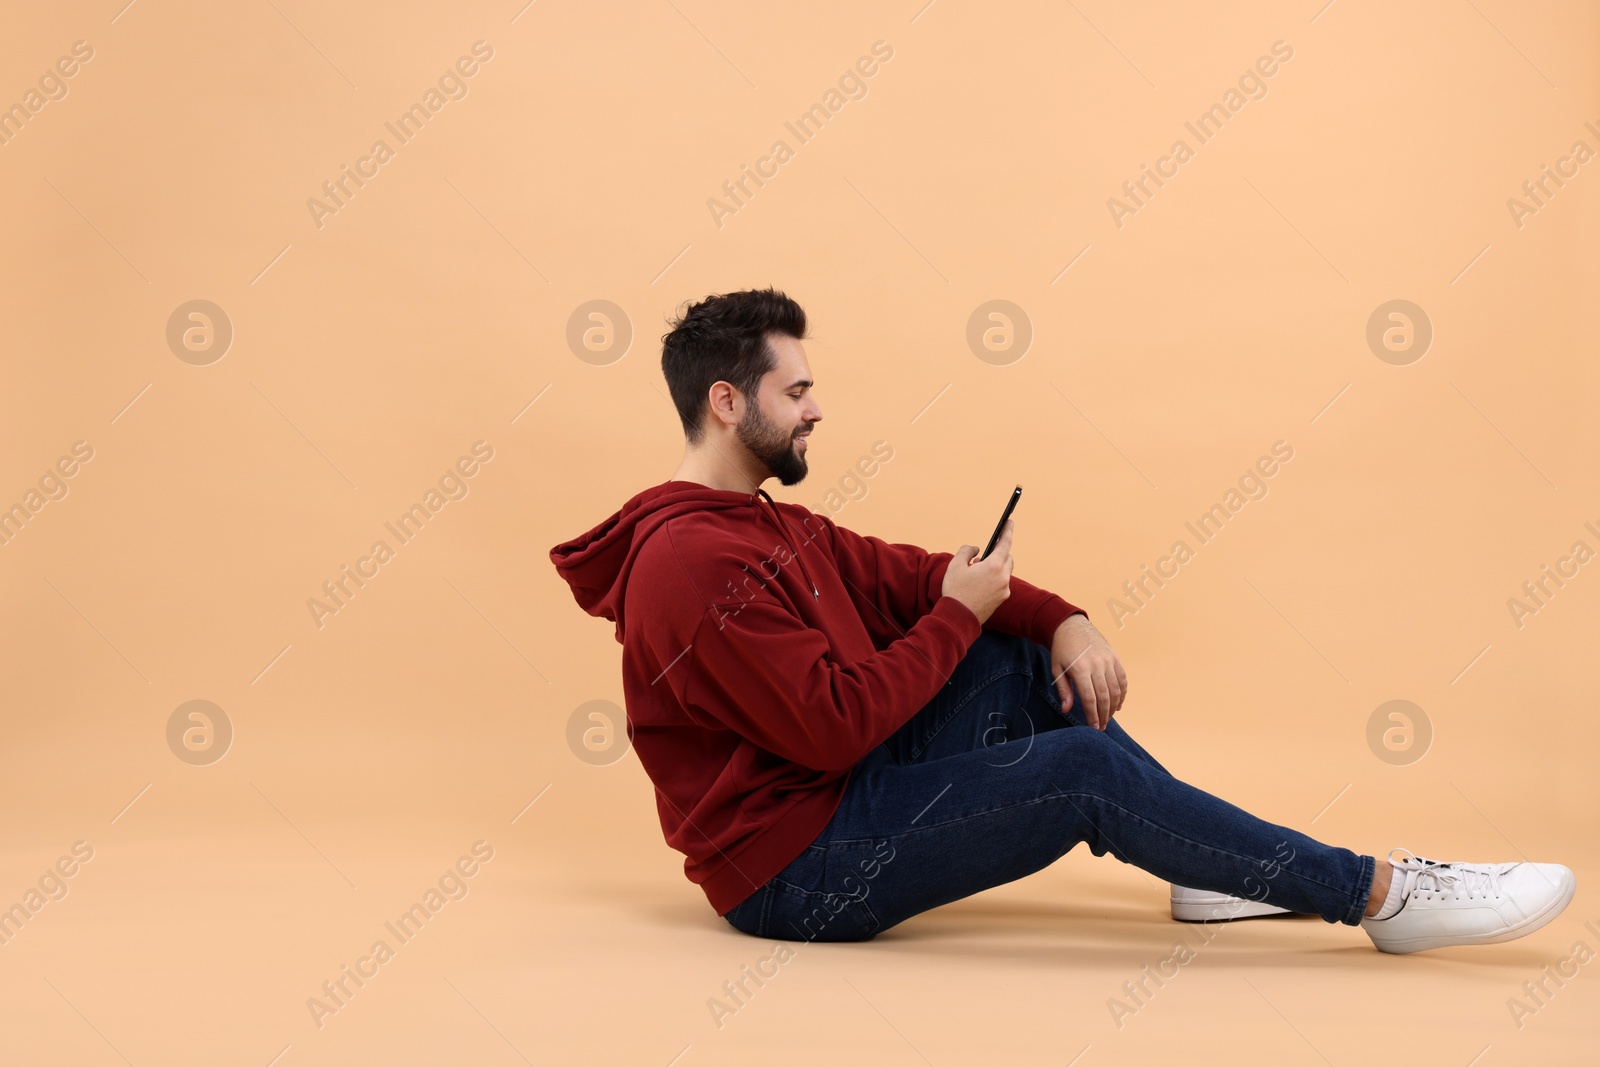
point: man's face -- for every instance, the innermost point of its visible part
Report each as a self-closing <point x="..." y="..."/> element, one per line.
<point x="773" y="427"/>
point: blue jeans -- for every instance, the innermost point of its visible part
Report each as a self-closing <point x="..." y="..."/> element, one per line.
<point x="990" y="782"/>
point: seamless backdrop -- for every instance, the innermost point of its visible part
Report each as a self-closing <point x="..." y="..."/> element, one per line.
<point x="323" y="323"/>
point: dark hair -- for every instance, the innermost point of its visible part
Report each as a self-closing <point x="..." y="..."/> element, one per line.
<point x="724" y="338"/>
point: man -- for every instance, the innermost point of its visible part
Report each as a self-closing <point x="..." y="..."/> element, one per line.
<point x="844" y="733"/>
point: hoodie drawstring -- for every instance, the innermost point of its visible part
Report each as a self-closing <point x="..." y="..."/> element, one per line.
<point x="784" y="532"/>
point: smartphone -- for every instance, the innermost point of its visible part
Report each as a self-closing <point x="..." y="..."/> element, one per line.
<point x="994" y="538"/>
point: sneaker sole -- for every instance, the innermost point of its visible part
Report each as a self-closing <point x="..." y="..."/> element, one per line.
<point x="1224" y="909"/>
<point x="1511" y="933"/>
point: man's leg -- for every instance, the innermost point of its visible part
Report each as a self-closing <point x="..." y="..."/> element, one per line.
<point x="962" y="718"/>
<point x="990" y="783"/>
<point x="1114" y="730"/>
<point x="945" y="809"/>
<point x="1000" y="692"/>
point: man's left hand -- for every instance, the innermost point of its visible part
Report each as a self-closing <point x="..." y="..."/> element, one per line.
<point x="1079" y="653"/>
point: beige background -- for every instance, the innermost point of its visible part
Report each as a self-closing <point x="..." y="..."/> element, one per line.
<point x="431" y="310"/>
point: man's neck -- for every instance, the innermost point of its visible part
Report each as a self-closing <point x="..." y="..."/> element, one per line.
<point x="711" y="467"/>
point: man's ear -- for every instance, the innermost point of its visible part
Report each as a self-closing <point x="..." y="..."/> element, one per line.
<point x="724" y="403"/>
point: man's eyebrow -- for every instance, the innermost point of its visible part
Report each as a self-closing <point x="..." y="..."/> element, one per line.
<point x="807" y="382"/>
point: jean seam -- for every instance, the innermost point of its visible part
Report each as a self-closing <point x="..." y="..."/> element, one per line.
<point x="1047" y="689"/>
<point x="1358" y="903"/>
<point x="805" y="896"/>
<point x="764" y="913"/>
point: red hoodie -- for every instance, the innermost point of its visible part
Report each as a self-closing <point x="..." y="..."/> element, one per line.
<point x="765" y="651"/>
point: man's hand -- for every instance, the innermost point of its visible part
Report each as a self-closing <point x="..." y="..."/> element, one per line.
<point x="1078" y="652"/>
<point x="985" y="585"/>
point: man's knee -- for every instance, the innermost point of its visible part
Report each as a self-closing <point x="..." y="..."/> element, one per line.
<point x="996" y="652"/>
<point x="1084" y="756"/>
<point x="996" y="640"/>
<point x="995" y="646"/>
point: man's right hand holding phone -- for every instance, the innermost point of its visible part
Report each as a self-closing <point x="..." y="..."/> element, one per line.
<point x="982" y="586"/>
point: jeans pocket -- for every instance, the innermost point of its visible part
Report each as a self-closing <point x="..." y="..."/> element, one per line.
<point x="753" y="915"/>
<point x="819" y="896"/>
<point x="800" y="904"/>
<point x="806" y="915"/>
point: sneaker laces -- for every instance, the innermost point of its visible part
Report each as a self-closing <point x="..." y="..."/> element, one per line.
<point x="1459" y="880"/>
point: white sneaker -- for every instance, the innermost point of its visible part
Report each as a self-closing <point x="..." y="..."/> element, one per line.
<point x="1448" y="904"/>
<point x="1204" y="905"/>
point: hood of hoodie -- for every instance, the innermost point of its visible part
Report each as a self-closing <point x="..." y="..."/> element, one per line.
<point x="597" y="563"/>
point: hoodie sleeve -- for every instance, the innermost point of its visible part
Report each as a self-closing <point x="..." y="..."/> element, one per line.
<point x="903" y="582"/>
<point x="761" y="671"/>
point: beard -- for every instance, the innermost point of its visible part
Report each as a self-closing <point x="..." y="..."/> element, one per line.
<point x="773" y="445"/>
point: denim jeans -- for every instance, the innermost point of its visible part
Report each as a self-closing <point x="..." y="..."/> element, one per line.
<point x="990" y="782"/>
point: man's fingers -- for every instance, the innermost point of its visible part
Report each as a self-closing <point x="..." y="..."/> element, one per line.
<point x="1099" y="681"/>
<point x="1087" y="696"/>
<point x="1102" y="692"/>
<point x="1113" y="688"/>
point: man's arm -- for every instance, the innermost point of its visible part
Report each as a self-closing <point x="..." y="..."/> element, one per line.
<point x="903" y="581"/>
<point x="898" y="579"/>
<point x="763" y="673"/>
<point x="742" y="659"/>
